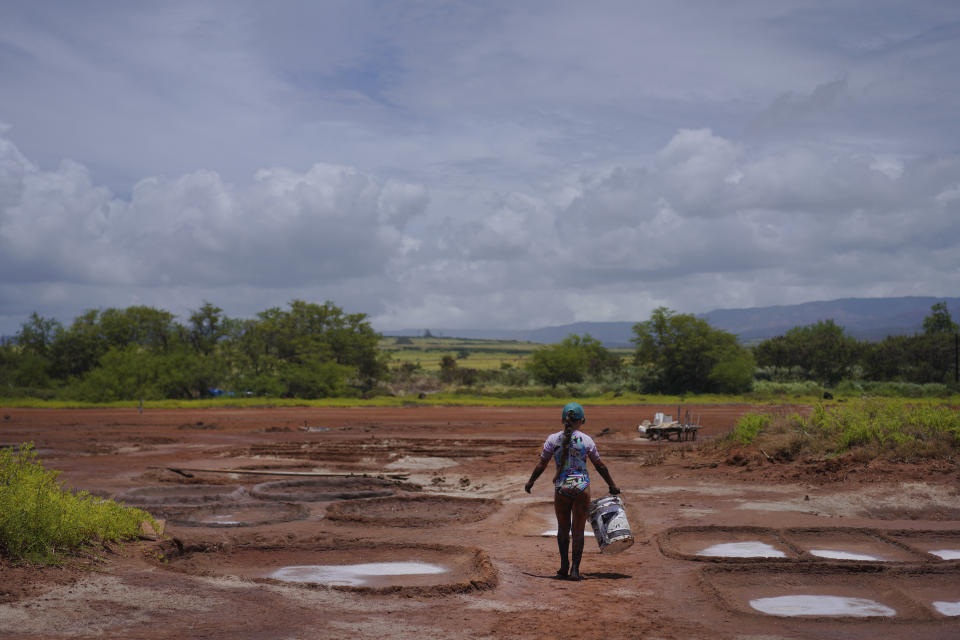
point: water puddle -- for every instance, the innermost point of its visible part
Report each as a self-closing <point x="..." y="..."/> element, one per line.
<point x="947" y="608"/>
<point x="355" y="575"/>
<point x="232" y="515"/>
<point x="747" y="549"/>
<point x="821" y="606"/>
<point x="836" y="554"/>
<point x="947" y="554"/>
<point x="552" y="533"/>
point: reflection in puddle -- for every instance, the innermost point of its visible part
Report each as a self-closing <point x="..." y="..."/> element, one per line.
<point x="844" y="555"/>
<point x="947" y="608"/>
<point x="947" y="554"/>
<point x="751" y="549"/>
<point x="552" y="533"/>
<point x="353" y="575"/>
<point x="821" y="606"/>
<point x="226" y="518"/>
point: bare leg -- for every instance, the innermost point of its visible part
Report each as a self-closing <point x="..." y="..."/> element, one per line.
<point x="580" y="506"/>
<point x="562" y="506"/>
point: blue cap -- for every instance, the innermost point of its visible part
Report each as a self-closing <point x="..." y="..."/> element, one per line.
<point x="575" y="408"/>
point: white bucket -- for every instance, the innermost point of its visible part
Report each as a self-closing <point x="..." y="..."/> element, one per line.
<point x="610" y="526"/>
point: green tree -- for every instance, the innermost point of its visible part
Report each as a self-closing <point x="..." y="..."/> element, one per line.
<point x="35" y="339"/>
<point x="558" y="363"/>
<point x="287" y="351"/>
<point x="79" y="348"/>
<point x="939" y="321"/>
<point x="685" y="354"/>
<point x="206" y="328"/>
<point x="37" y="334"/>
<point x="921" y="359"/>
<point x="598" y="359"/>
<point x="141" y="325"/>
<point x="571" y="360"/>
<point x="124" y="373"/>
<point x="822" y="351"/>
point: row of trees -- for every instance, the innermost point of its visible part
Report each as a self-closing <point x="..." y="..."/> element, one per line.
<point x="310" y="350"/>
<point x="675" y="353"/>
<point x="306" y="350"/>
<point x="825" y="353"/>
<point x="680" y="353"/>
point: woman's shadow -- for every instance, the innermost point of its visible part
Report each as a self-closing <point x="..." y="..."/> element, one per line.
<point x="587" y="575"/>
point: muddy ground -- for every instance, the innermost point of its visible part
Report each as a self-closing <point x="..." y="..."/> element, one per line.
<point x="444" y="490"/>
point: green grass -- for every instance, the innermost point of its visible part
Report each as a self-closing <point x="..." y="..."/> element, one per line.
<point x="900" y="429"/>
<point x="472" y="396"/>
<point x="480" y="354"/>
<point x="749" y="427"/>
<point x="525" y="397"/>
<point x="40" y="521"/>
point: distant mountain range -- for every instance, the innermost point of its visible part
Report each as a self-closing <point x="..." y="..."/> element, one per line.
<point x="862" y="318"/>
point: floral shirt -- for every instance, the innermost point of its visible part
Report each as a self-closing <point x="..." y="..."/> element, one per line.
<point x="574" y="471"/>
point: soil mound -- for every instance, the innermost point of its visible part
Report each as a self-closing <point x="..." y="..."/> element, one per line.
<point x="332" y="488"/>
<point x="181" y="495"/>
<point x="413" y="511"/>
<point x="233" y="515"/>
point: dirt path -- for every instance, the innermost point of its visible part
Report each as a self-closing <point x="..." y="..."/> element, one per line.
<point x="445" y="543"/>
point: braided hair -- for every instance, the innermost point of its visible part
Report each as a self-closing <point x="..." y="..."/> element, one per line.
<point x="569" y="425"/>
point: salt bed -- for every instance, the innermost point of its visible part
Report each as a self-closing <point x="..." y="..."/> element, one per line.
<point x="836" y="554"/>
<point x="821" y="606"/>
<point x="354" y="575"/>
<point x="749" y="549"/>
<point x="947" y="554"/>
<point x="947" y="608"/>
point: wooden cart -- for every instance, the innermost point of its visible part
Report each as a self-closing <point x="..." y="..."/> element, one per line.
<point x="666" y="428"/>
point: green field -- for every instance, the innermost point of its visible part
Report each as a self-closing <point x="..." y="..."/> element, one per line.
<point x="472" y="353"/>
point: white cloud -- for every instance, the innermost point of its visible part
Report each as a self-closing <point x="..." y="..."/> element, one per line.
<point x="494" y="164"/>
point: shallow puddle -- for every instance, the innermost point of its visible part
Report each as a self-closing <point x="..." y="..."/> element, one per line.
<point x="233" y="515"/>
<point x="383" y="567"/>
<point x="355" y="575"/>
<point x="718" y="543"/>
<point x="821" y="606"/>
<point x="947" y="608"/>
<point x="552" y="533"/>
<point x="747" y="549"/>
<point x="837" y="554"/>
<point x="947" y="554"/>
<point x="857" y="545"/>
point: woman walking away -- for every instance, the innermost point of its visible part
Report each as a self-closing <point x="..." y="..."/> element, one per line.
<point x="571" y="498"/>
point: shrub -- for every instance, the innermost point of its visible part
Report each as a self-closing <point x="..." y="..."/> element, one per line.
<point x="866" y="429"/>
<point x="749" y="427"/>
<point x="39" y="521"/>
<point x="764" y="389"/>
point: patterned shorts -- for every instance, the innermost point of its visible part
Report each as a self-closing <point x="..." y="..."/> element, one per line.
<point x="573" y="485"/>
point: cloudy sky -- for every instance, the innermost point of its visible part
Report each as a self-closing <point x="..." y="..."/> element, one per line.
<point x="494" y="164"/>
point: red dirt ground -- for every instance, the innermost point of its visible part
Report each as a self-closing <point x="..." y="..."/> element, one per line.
<point x="208" y="582"/>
